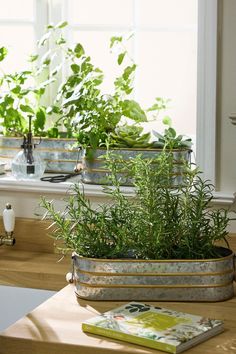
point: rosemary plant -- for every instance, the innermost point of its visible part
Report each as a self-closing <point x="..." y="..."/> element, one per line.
<point x="164" y="219"/>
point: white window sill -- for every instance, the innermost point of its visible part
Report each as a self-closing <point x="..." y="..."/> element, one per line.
<point x="9" y="183"/>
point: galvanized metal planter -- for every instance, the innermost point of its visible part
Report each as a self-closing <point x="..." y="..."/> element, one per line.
<point x="61" y="155"/>
<point x="95" y="171"/>
<point x="155" y="280"/>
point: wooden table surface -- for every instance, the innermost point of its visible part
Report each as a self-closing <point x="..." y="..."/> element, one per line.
<point x="55" y="328"/>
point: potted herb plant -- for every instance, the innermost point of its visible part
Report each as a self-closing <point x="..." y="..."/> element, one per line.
<point x="98" y="118"/>
<point x="25" y="93"/>
<point x="81" y="110"/>
<point x="158" y="243"/>
<point x="129" y="141"/>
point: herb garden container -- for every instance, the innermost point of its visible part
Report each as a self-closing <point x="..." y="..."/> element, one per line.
<point x="155" y="280"/>
<point x="60" y="155"/>
<point x="95" y="170"/>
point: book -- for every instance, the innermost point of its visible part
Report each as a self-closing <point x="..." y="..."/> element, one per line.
<point x="155" y="327"/>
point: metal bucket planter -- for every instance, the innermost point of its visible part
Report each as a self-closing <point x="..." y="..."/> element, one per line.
<point x="155" y="280"/>
<point x="95" y="172"/>
<point x="61" y="155"/>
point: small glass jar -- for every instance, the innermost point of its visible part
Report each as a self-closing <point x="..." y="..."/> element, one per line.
<point x="25" y="169"/>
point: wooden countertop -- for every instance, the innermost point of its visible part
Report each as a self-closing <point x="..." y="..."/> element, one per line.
<point x="33" y="262"/>
<point x="39" y="270"/>
<point x="55" y="328"/>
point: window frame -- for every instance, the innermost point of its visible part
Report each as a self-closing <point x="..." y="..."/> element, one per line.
<point x="207" y="88"/>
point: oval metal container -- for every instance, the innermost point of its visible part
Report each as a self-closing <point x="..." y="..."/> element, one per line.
<point x="95" y="171"/>
<point x="153" y="280"/>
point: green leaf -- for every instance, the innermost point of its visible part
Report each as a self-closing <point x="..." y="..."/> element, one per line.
<point x="26" y="108"/>
<point x="55" y="71"/>
<point x="159" y="105"/>
<point x="8" y="100"/>
<point x="47" y="61"/>
<point x="171" y="132"/>
<point x="40" y="120"/>
<point x="61" y="24"/>
<point x="154" y="107"/>
<point x="46" y="58"/>
<point x="50" y="26"/>
<point x="33" y="57"/>
<point x="44" y="39"/>
<point x="167" y="121"/>
<point x="128" y="71"/>
<point x="53" y="109"/>
<point x="115" y="39"/>
<point x="16" y="89"/>
<point x="75" y="68"/>
<point x="3" y="53"/>
<point x="53" y="132"/>
<point x="132" y="109"/>
<point x="61" y="40"/>
<point x="121" y="58"/>
<point x="79" y="50"/>
<point x="39" y="91"/>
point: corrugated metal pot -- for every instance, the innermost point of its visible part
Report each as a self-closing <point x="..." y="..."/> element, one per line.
<point x="61" y="155"/>
<point x="95" y="171"/>
<point x="155" y="280"/>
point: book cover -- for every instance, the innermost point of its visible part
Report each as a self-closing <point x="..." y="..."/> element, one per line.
<point x="153" y="327"/>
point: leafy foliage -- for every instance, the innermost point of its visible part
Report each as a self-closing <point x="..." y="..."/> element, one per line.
<point x="164" y="220"/>
<point x="23" y="92"/>
<point x="170" y="139"/>
<point x="80" y="108"/>
<point x="87" y="111"/>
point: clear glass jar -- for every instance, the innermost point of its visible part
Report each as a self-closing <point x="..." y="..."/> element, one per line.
<point x="22" y="169"/>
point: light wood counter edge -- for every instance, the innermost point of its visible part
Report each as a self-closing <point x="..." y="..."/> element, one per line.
<point x="55" y="327"/>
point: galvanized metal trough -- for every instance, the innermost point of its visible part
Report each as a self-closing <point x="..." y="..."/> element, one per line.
<point x="155" y="280"/>
<point x="95" y="170"/>
<point x="61" y="155"/>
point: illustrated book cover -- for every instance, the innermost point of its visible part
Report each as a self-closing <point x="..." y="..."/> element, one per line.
<point x="154" y="327"/>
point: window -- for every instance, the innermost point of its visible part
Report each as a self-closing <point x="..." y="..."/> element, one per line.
<point x="165" y="45"/>
<point x="20" y="27"/>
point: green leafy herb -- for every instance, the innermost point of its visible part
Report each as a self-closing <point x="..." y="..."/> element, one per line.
<point x="169" y="216"/>
<point x="3" y="53"/>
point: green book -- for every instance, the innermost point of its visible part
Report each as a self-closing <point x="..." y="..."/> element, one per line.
<point x="154" y="327"/>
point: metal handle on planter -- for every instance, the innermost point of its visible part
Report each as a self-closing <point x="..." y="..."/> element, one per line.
<point x="78" y="165"/>
<point x="70" y="276"/>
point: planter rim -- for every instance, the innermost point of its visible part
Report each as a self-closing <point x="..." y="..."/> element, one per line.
<point x="37" y="137"/>
<point x="137" y="149"/>
<point x="123" y="260"/>
<point x="98" y="148"/>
